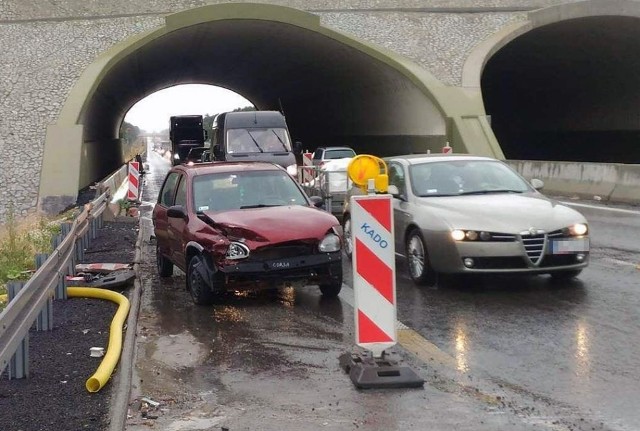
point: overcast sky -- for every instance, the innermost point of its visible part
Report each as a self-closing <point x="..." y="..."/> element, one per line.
<point x="152" y="113"/>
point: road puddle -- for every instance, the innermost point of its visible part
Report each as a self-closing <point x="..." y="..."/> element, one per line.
<point x="179" y="350"/>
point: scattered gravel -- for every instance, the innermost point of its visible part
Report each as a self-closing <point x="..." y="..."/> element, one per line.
<point x="54" y="397"/>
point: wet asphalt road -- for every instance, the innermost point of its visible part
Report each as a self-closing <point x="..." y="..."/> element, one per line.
<point x="503" y="353"/>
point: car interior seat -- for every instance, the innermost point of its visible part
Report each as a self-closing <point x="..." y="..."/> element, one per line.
<point x="442" y="181"/>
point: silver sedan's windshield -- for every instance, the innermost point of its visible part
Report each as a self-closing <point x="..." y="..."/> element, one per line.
<point x="245" y="189"/>
<point x="465" y="177"/>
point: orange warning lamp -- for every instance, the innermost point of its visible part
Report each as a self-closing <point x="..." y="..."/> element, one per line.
<point x="365" y="167"/>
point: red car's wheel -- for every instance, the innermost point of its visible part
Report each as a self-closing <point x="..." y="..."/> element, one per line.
<point x="165" y="267"/>
<point x="198" y="286"/>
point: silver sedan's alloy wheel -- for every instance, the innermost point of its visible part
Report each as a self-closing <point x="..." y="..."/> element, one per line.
<point x="418" y="260"/>
<point x="348" y="238"/>
<point x="415" y="251"/>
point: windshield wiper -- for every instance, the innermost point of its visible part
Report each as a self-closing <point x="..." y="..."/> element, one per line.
<point x="438" y="195"/>
<point x="254" y="141"/>
<point x="258" y="206"/>
<point x="484" y="192"/>
<point x="284" y="147"/>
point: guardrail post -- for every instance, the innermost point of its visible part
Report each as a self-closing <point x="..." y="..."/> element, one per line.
<point x="92" y="228"/>
<point x="55" y="241"/>
<point x="65" y="228"/>
<point x="61" y="288"/>
<point x="86" y="240"/>
<point x="19" y="364"/>
<point x="44" y="322"/>
<point x="79" y="250"/>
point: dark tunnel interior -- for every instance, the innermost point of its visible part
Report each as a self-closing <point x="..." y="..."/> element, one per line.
<point x="331" y="93"/>
<point x="568" y="91"/>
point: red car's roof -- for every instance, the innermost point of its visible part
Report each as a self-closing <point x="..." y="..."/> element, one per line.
<point x="216" y="167"/>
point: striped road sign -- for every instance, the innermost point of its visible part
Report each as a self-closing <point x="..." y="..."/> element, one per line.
<point x="374" y="270"/>
<point x="307" y="167"/>
<point x="134" y="181"/>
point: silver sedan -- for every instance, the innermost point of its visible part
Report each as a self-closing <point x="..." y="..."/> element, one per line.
<point x="462" y="214"/>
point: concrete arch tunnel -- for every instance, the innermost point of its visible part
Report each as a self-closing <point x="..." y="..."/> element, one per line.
<point x="566" y="85"/>
<point x="333" y="90"/>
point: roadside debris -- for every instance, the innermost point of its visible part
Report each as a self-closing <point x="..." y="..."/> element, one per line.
<point x="149" y="410"/>
<point x="102" y="268"/>
<point x="104" y="275"/>
<point x="96" y="352"/>
<point x="149" y="401"/>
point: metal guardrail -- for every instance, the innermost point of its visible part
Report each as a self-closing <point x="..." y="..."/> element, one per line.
<point x="33" y="300"/>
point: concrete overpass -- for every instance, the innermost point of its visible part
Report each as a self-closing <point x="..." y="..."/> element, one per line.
<point x="557" y="79"/>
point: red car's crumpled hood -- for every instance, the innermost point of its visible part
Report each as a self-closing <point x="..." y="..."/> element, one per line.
<point x="276" y="224"/>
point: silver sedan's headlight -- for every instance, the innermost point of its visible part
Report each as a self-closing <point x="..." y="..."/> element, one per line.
<point x="330" y="243"/>
<point x="578" y="229"/>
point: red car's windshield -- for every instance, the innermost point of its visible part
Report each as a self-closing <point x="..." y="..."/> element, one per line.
<point x="248" y="189"/>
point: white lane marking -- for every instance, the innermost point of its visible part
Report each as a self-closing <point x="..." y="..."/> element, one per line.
<point x="598" y="207"/>
<point x="618" y="261"/>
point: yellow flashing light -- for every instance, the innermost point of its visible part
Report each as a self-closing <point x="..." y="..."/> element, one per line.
<point x="365" y="167"/>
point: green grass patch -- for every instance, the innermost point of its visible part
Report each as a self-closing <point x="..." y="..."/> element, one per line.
<point x="20" y="240"/>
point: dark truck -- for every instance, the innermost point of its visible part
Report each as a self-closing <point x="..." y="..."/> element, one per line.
<point x="186" y="132"/>
<point x="256" y="136"/>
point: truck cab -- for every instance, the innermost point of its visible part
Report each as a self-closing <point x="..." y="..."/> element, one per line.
<point x="257" y="136"/>
<point x="186" y="132"/>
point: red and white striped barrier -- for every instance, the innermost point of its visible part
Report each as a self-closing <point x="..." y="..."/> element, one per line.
<point x="307" y="167"/>
<point x="134" y="181"/>
<point x="374" y="268"/>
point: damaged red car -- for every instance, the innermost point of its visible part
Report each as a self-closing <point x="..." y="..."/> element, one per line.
<point x="244" y="226"/>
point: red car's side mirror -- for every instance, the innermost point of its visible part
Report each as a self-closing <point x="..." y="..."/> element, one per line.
<point x="177" y="211"/>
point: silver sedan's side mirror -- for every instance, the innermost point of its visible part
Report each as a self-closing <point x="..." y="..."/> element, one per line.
<point x="537" y="184"/>
<point x="393" y="191"/>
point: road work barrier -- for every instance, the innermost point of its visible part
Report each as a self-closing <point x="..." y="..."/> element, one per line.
<point x="331" y="186"/>
<point x="117" y="184"/>
<point x="32" y="301"/>
<point x="307" y="167"/>
<point x="133" y="191"/>
<point x="374" y="281"/>
<point x="374" y="269"/>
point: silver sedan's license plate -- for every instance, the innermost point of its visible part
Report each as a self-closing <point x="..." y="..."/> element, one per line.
<point x="565" y="246"/>
<point x="280" y="265"/>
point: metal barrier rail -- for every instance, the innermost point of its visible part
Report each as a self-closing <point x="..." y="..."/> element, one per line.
<point x="32" y="300"/>
<point x="331" y="186"/>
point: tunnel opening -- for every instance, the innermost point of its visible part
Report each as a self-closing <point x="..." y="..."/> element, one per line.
<point x="568" y="91"/>
<point x="151" y="114"/>
<point x="329" y="92"/>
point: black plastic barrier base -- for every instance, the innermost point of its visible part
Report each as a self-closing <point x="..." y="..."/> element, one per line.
<point x="367" y="372"/>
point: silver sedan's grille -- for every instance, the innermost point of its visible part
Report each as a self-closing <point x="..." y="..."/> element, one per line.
<point x="557" y="234"/>
<point x="534" y="246"/>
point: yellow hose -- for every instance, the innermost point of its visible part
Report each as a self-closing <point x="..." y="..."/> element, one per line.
<point x="104" y="371"/>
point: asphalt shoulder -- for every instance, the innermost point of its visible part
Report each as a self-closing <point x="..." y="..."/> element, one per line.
<point x="54" y="396"/>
